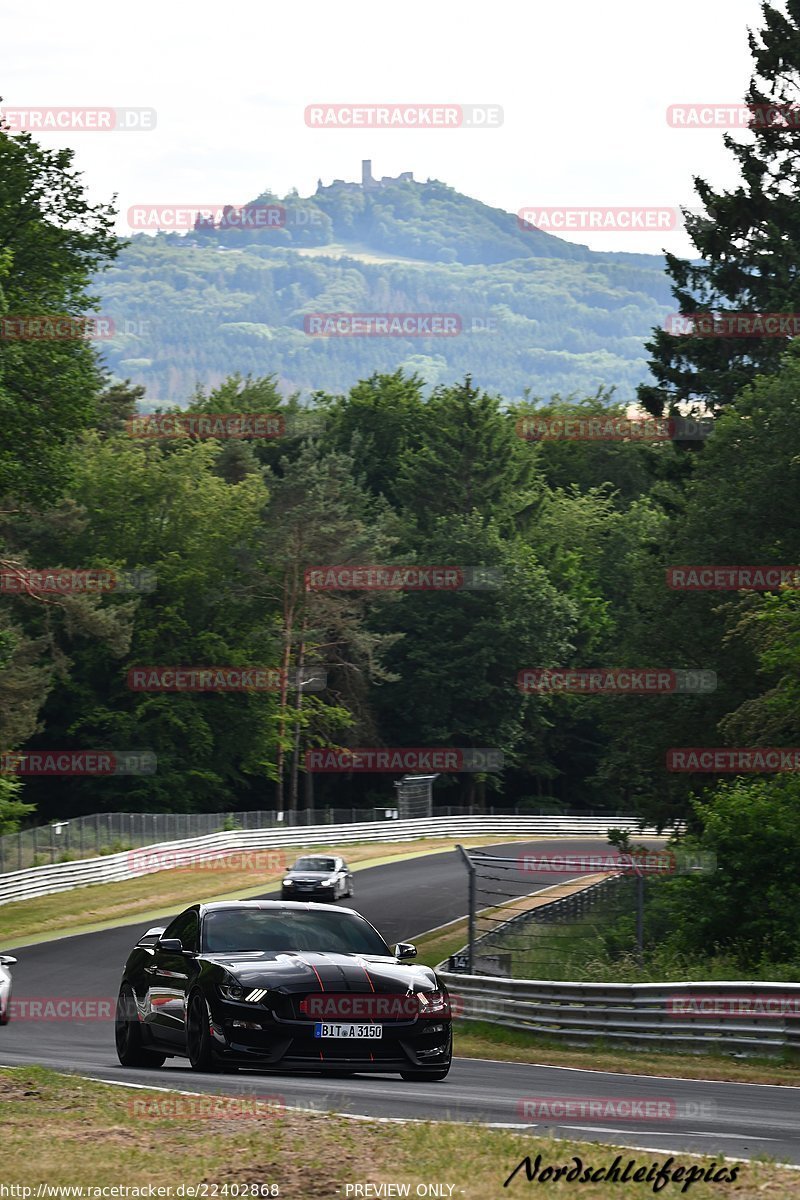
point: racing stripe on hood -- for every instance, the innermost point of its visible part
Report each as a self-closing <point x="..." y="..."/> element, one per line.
<point x="363" y="966"/>
<point x="314" y="969"/>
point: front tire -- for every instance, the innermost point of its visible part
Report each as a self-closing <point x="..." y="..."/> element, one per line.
<point x="198" y="1036"/>
<point x="128" y="1034"/>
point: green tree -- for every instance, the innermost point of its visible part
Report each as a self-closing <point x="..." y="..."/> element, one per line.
<point x="749" y="908"/>
<point x="470" y="460"/>
<point x="378" y="421"/>
<point x="168" y="512"/>
<point x="320" y="516"/>
<point x="747" y="240"/>
<point x="52" y="241"/>
<point x="462" y="650"/>
<point x="12" y="808"/>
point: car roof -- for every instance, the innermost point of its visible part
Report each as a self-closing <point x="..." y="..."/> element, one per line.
<point x="274" y="905"/>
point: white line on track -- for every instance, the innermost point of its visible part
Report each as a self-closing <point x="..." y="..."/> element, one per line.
<point x="149" y="1087"/>
<point x="784" y="1087"/>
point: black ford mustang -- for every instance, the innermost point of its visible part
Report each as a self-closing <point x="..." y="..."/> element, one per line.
<point x="281" y="985"/>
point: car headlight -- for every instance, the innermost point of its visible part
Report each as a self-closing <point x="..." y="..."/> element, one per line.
<point x="328" y="882"/>
<point x="433" y="1004"/>
<point x="288" y="883"/>
<point x="232" y="991"/>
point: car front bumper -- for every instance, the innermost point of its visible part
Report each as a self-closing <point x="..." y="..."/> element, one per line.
<point x="244" y="1033"/>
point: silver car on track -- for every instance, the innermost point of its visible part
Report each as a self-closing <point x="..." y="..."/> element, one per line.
<point x="6" y="961"/>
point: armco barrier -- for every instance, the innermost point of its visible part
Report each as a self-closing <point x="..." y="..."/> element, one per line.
<point x="638" y="1013"/>
<point x="61" y="877"/>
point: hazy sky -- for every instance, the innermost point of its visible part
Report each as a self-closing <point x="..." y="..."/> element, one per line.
<point x="584" y="88"/>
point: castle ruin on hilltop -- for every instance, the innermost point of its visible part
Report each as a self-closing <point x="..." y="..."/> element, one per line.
<point x="368" y="182"/>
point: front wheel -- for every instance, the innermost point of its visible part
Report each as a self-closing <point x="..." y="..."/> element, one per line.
<point x="198" y="1036"/>
<point x="128" y="1034"/>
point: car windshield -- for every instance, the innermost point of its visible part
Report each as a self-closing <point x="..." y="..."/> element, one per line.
<point x="228" y="930"/>
<point x="315" y="864"/>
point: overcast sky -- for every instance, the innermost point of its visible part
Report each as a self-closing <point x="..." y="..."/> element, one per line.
<point x="584" y="89"/>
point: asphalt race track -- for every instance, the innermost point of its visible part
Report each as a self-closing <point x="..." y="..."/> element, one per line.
<point x="402" y="900"/>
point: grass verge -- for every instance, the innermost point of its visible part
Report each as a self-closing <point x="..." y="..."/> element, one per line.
<point x="63" y="1130"/>
<point x="480" y="1039"/>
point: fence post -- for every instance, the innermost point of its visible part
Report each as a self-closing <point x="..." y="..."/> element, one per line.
<point x="470" y="910"/>
<point x="640" y="920"/>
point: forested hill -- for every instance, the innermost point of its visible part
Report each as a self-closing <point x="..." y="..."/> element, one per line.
<point x="536" y="312"/>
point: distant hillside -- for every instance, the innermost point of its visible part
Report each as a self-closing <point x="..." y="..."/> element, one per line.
<point x="536" y="312"/>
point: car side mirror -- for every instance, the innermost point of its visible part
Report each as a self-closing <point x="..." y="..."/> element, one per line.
<point x="7" y="959"/>
<point x="405" y="950"/>
<point x="171" y="945"/>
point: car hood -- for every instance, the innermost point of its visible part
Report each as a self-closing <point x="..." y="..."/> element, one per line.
<point x="312" y="971"/>
<point x="309" y="876"/>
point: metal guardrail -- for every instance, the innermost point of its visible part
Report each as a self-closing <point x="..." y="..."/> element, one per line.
<point x="643" y="1013"/>
<point x="648" y="1014"/>
<point x="109" y="832"/>
<point x="130" y="864"/>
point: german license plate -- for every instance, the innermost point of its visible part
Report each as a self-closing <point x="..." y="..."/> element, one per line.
<point x="323" y="1030"/>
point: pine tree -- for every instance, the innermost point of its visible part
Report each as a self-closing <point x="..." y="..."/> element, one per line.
<point x="749" y="241"/>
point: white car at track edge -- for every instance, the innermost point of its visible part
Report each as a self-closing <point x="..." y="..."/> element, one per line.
<point x="6" y="961"/>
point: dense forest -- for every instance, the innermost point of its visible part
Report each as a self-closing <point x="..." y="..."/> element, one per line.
<point x="580" y="535"/>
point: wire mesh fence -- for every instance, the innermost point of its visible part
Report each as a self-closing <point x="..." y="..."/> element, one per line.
<point x="111" y="832"/>
<point x="526" y="923"/>
<point x="415" y="796"/>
